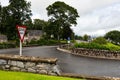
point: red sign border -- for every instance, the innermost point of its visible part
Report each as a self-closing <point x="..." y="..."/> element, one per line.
<point x="19" y="33"/>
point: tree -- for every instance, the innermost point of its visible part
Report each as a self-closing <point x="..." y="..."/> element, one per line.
<point x="78" y="37"/>
<point x="67" y="32"/>
<point x="0" y="11"/>
<point x="29" y="24"/>
<point x="51" y="29"/>
<point x="113" y="36"/>
<point x="0" y="15"/>
<point x="100" y="40"/>
<point x="16" y="13"/>
<point x="86" y="37"/>
<point x="0" y="7"/>
<point x="39" y="24"/>
<point x="62" y="15"/>
<point x="5" y="20"/>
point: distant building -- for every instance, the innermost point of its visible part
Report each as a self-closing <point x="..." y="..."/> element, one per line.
<point x="3" y="38"/>
<point x="33" y="35"/>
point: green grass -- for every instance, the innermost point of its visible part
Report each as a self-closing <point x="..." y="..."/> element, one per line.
<point x="8" y="75"/>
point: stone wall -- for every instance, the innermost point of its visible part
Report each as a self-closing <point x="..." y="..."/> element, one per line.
<point x="29" y="64"/>
<point x="96" y="53"/>
<point x="92" y="52"/>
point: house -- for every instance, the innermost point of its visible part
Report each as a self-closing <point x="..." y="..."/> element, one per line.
<point x="3" y="38"/>
<point x="33" y="35"/>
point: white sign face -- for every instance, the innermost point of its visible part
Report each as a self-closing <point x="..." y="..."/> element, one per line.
<point x="21" y="31"/>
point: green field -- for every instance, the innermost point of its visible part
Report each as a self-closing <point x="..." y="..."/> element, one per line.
<point x="8" y="75"/>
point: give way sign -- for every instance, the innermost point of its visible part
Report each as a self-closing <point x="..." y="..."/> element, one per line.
<point x="21" y="32"/>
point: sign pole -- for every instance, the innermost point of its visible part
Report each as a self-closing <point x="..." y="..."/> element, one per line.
<point x="21" y="32"/>
<point x="20" y="48"/>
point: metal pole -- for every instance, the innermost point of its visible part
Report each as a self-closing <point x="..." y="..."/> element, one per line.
<point x="20" y="48"/>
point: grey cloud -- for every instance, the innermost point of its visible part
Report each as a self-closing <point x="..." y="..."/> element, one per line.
<point x="100" y="20"/>
<point x="83" y="6"/>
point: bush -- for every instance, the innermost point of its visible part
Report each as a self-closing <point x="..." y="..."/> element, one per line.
<point x="42" y="42"/>
<point x="91" y="46"/>
<point x="100" y="40"/>
<point x="113" y="47"/>
<point x="33" y="42"/>
<point x="7" y="45"/>
<point x="47" y="42"/>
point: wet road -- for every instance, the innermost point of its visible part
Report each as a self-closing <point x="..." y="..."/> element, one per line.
<point x="73" y="64"/>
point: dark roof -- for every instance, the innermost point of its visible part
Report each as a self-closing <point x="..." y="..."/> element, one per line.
<point x="35" y="32"/>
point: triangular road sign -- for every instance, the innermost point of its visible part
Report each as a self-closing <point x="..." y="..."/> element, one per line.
<point x="21" y="32"/>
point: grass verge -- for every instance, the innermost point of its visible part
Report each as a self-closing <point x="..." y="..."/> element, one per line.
<point x="8" y="75"/>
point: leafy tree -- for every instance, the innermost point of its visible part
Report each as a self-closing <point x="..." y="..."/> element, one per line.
<point x="29" y="24"/>
<point x="20" y="10"/>
<point x="0" y="11"/>
<point x="0" y="7"/>
<point x="100" y="40"/>
<point x="16" y="13"/>
<point x="113" y="36"/>
<point x="78" y="37"/>
<point x="67" y="32"/>
<point x="62" y="15"/>
<point x="5" y="20"/>
<point x="0" y="14"/>
<point x="51" y="29"/>
<point x="39" y="24"/>
<point x="86" y="37"/>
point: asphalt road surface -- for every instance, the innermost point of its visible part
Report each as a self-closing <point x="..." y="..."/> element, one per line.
<point x="72" y="64"/>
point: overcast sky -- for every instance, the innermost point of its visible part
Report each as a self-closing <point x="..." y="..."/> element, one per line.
<point x="96" y="16"/>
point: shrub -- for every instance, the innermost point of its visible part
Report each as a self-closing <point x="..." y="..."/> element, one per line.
<point x="113" y="47"/>
<point x="91" y="46"/>
<point x="100" y="40"/>
<point x="47" y="42"/>
<point x="42" y="42"/>
<point x="7" y="45"/>
<point x="33" y="42"/>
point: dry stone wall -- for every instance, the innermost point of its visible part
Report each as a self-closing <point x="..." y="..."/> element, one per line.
<point x="29" y="64"/>
<point x="93" y="52"/>
<point x="96" y="53"/>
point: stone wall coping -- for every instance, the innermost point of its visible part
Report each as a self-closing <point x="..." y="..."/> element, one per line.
<point x="28" y="58"/>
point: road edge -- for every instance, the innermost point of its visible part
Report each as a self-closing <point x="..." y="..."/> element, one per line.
<point x="86" y="76"/>
<point x="70" y="52"/>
